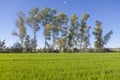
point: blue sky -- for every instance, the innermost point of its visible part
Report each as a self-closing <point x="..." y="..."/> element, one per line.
<point x="107" y="11"/>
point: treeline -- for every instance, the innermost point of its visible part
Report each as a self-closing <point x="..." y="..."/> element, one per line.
<point x="61" y="33"/>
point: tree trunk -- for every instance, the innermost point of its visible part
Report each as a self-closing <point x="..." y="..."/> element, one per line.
<point x="45" y="43"/>
<point x="34" y="41"/>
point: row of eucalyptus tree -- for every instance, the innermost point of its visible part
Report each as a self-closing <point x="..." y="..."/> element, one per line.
<point x="66" y="34"/>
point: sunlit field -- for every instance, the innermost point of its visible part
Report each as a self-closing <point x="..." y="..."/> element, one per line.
<point x="87" y="66"/>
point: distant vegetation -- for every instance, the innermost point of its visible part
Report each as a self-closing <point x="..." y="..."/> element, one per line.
<point x="61" y="33"/>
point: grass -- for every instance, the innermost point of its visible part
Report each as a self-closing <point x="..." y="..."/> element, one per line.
<point x="86" y="66"/>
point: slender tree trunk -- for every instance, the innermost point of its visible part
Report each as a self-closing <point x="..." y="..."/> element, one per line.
<point x="53" y="41"/>
<point x="54" y="44"/>
<point x="21" y="44"/>
<point x="45" y="39"/>
<point x="81" y="45"/>
<point x="34" y="41"/>
<point x="45" y="43"/>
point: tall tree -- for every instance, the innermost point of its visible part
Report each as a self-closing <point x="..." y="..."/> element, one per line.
<point x="64" y="30"/>
<point x="100" y="40"/>
<point x="75" y="28"/>
<point x="98" y="36"/>
<point x="46" y="16"/>
<point x="83" y="36"/>
<point x="72" y="33"/>
<point x="20" y="24"/>
<point x="33" y="21"/>
<point x="56" y="28"/>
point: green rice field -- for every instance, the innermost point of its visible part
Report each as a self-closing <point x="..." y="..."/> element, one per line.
<point x="75" y="66"/>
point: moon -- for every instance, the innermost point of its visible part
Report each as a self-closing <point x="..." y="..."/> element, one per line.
<point x="65" y="2"/>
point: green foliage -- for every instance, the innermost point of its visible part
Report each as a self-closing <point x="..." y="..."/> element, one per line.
<point x="2" y="44"/>
<point x="85" y="16"/>
<point x="20" y="24"/>
<point x="61" y="42"/>
<point x="84" y="34"/>
<point x="86" y="38"/>
<point x="27" y="43"/>
<point x="33" y="21"/>
<point x="74" y="27"/>
<point x="98" y="36"/>
<point x="107" y="37"/>
<point x="33" y="44"/>
<point x="46" y="17"/>
<point x="100" y="41"/>
<point x="60" y="66"/>
<point x="17" y="47"/>
<point x="60" y="32"/>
